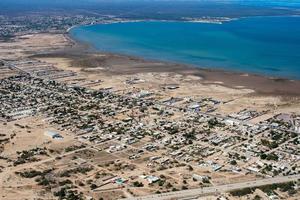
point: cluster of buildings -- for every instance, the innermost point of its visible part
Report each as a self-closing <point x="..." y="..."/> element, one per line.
<point x="177" y="133"/>
<point x="11" y="26"/>
<point x="88" y="113"/>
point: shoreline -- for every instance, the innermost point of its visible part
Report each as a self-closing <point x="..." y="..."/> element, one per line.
<point x="125" y="64"/>
<point x="92" y="49"/>
<point x="217" y="20"/>
<point x="204" y="20"/>
<point x="194" y="64"/>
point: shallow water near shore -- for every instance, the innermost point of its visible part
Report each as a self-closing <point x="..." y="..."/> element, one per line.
<point x="263" y="45"/>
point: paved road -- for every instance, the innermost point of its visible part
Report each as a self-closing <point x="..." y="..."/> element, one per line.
<point x="216" y="189"/>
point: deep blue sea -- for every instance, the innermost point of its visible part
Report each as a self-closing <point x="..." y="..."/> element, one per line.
<point x="261" y="45"/>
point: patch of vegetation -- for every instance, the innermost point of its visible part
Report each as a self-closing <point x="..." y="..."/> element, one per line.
<point x="66" y="194"/>
<point x="74" y="147"/>
<point x="93" y="186"/>
<point x="214" y="122"/>
<point x="45" y="181"/>
<point x="82" y="170"/>
<point x="284" y="187"/>
<point x="267" y="143"/>
<point x="33" y="173"/>
<point x="233" y="162"/>
<point x="270" y="156"/>
<point x="242" y="192"/>
<point x="65" y="182"/>
<point x="28" y="156"/>
<point x="138" y="184"/>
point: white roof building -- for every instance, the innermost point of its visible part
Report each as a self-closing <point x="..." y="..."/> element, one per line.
<point x="53" y="135"/>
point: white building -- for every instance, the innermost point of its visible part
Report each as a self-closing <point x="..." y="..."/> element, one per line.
<point x="53" y="135"/>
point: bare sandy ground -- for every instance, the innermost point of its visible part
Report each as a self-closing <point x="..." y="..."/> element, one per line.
<point x="23" y="46"/>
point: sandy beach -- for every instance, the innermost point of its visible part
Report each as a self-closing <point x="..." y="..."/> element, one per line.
<point x="88" y="59"/>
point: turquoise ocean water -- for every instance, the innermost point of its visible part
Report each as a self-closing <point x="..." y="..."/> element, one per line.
<point x="262" y="45"/>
